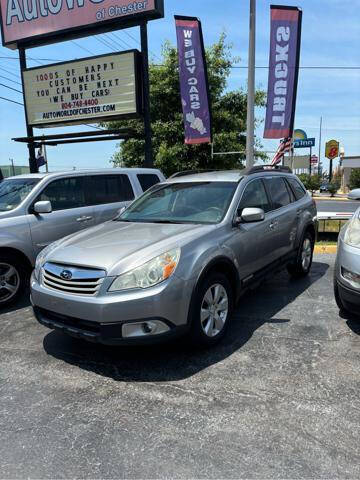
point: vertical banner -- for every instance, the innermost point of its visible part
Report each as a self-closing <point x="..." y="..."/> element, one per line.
<point x="193" y="80"/>
<point x="285" y="39"/>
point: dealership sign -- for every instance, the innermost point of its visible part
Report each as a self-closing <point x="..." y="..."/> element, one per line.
<point x="35" y="22"/>
<point x="88" y="90"/>
<point x="283" y="71"/>
<point x="193" y="80"/>
<point x="332" y="149"/>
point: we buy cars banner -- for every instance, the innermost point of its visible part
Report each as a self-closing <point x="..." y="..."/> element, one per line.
<point x="285" y="39"/>
<point x="193" y="80"/>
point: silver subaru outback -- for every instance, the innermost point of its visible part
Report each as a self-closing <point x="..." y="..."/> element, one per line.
<point x="177" y="259"/>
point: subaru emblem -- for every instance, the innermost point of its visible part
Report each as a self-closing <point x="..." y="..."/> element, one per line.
<point x="66" y="275"/>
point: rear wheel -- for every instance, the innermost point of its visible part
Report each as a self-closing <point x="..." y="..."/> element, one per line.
<point x="302" y="264"/>
<point x="13" y="278"/>
<point x="211" y="310"/>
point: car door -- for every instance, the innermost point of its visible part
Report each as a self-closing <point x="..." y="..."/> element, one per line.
<point x="284" y="219"/>
<point x="253" y="242"/>
<point x="108" y="194"/>
<point x="70" y="213"/>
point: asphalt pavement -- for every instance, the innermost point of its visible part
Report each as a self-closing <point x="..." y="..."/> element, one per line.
<point x="278" y="398"/>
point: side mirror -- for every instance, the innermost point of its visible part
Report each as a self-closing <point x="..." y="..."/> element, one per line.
<point x="43" y="207"/>
<point x="250" y="215"/>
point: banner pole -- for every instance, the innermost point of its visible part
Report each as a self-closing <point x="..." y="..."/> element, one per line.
<point x="251" y="88"/>
<point x="146" y="94"/>
<point x="29" y="130"/>
<point x="320" y="132"/>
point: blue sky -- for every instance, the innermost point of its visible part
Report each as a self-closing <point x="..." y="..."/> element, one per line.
<point x="331" y="38"/>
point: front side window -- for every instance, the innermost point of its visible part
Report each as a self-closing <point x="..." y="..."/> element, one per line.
<point x="278" y="192"/>
<point x="110" y="189"/>
<point x="195" y="202"/>
<point x="13" y="191"/>
<point x="255" y="196"/>
<point x="65" y="193"/>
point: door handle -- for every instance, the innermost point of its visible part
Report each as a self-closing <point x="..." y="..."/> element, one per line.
<point x="273" y="224"/>
<point x="88" y="218"/>
<point x="81" y="219"/>
<point x="298" y="212"/>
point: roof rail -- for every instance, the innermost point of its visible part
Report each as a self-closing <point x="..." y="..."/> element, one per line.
<point x="265" y="168"/>
<point x="191" y="172"/>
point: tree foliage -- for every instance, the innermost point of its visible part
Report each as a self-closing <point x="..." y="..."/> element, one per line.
<point x="311" y="182"/>
<point x="228" y="112"/>
<point x="354" y="181"/>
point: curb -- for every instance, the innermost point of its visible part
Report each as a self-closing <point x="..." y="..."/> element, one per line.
<point x="325" y="249"/>
<point x="334" y="199"/>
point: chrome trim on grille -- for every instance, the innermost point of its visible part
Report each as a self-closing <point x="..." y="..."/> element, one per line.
<point x="84" y="281"/>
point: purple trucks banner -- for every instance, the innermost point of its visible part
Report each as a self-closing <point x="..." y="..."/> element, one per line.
<point x="285" y="40"/>
<point x="193" y="80"/>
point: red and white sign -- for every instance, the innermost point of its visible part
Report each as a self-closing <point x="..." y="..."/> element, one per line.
<point x="314" y="159"/>
<point x="29" y="20"/>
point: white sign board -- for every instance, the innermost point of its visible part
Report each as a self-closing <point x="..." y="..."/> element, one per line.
<point x="82" y="91"/>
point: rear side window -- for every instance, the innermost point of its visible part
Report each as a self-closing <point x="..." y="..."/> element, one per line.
<point x="147" y="180"/>
<point x="109" y="189"/>
<point x="65" y="193"/>
<point x="255" y="196"/>
<point x="278" y="192"/>
<point x="297" y="188"/>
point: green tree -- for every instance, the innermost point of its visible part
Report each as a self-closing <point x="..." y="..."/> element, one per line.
<point x="311" y="182"/>
<point x="354" y="181"/>
<point x="169" y="151"/>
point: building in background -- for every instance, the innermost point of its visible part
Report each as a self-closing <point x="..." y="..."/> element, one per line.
<point x="11" y="170"/>
<point x="348" y="163"/>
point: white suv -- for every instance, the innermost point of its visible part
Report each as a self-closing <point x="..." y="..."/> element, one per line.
<point x="38" y="209"/>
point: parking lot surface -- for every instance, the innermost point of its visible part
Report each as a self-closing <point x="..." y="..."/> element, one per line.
<point x="278" y="398"/>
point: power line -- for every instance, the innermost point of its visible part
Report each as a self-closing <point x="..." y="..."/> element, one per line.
<point x="10" y="80"/>
<point x="10" y="73"/>
<point x="10" y="88"/>
<point x="12" y="101"/>
<point x="83" y="48"/>
<point x="105" y="42"/>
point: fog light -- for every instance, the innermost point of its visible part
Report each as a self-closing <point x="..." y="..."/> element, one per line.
<point x="144" y="329"/>
<point x="351" y="277"/>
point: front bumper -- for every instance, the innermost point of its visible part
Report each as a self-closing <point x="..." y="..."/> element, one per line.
<point x="350" y="299"/>
<point x="347" y="257"/>
<point x="100" y="318"/>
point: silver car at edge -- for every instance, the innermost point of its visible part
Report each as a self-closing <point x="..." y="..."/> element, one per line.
<point x="347" y="267"/>
<point x="177" y="259"/>
<point x="38" y="209"/>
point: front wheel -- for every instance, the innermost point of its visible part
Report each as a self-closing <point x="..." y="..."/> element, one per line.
<point x="12" y="280"/>
<point x="302" y="264"/>
<point x="211" y="310"/>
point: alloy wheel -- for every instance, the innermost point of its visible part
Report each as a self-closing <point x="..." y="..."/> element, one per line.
<point x="9" y="281"/>
<point x="306" y="254"/>
<point x="214" y="310"/>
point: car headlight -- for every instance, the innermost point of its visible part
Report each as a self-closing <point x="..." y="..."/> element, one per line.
<point x="151" y="273"/>
<point x="40" y="259"/>
<point x="352" y="234"/>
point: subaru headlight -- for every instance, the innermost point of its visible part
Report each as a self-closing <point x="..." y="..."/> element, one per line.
<point x="352" y="234"/>
<point x="151" y="273"/>
<point x="40" y="259"/>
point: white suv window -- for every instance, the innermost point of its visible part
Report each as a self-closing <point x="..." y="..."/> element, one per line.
<point x="255" y="196"/>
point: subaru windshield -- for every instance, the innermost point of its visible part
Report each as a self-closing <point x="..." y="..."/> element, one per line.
<point x="14" y="190"/>
<point x="193" y="202"/>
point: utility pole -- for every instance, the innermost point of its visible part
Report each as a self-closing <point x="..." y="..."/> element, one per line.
<point x="320" y="146"/>
<point x="12" y="166"/>
<point x="250" y="123"/>
<point x="146" y="95"/>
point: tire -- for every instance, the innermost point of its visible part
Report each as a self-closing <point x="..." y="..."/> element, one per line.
<point x="13" y="279"/>
<point x="208" y="316"/>
<point x="302" y="264"/>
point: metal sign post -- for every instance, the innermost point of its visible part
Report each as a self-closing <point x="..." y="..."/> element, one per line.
<point x="250" y="122"/>
<point x="29" y="130"/>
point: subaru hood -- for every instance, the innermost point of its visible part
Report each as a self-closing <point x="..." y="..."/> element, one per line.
<point x="119" y="246"/>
